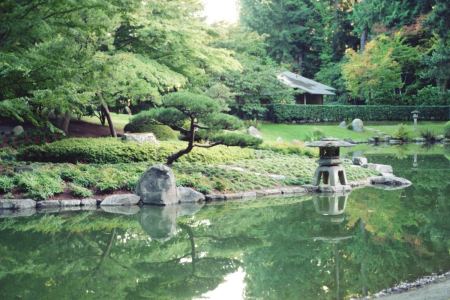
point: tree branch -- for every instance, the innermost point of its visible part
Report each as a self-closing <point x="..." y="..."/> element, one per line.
<point x="208" y="145"/>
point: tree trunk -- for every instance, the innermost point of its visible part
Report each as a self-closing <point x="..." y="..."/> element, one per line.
<point x="363" y="40"/>
<point x="173" y="158"/>
<point x="102" y="117"/>
<point x="300" y="63"/>
<point x="105" y="110"/>
<point x="66" y="122"/>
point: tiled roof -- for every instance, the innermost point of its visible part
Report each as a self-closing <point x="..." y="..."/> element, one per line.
<point x="305" y="84"/>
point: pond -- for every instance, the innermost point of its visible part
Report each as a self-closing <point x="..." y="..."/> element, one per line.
<point x="277" y="248"/>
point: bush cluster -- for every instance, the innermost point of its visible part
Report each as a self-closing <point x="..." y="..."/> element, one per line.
<point x="402" y="133"/>
<point x="110" y="150"/>
<point x="284" y="113"/>
<point x="143" y="123"/>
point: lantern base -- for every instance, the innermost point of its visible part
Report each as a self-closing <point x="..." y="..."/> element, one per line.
<point x="330" y="176"/>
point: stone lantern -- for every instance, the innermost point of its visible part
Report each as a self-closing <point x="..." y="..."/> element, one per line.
<point x="415" y="115"/>
<point x="330" y="171"/>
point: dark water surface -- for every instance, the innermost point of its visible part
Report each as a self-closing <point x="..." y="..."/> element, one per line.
<point x="279" y="248"/>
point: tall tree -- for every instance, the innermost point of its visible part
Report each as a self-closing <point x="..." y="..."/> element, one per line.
<point x="293" y="28"/>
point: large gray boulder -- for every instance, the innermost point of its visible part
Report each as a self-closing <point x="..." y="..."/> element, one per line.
<point x="140" y="137"/>
<point x="253" y="131"/>
<point x="120" y="200"/>
<point x="358" y="125"/>
<point x="188" y="195"/>
<point x="157" y="186"/>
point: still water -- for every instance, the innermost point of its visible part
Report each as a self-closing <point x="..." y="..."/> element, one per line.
<point x="278" y="248"/>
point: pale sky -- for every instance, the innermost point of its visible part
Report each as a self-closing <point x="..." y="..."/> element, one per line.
<point x="221" y="10"/>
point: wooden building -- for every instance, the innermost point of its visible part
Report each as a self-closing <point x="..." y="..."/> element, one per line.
<point x="308" y="90"/>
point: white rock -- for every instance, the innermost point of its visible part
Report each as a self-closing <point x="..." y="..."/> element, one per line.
<point x="18" y="130"/>
<point x="357" y="125"/>
<point x="359" y="161"/>
<point x="253" y="131"/>
<point x="120" y="200"/>
<point x="141" y="137"/>
<point x="343" y="124"/>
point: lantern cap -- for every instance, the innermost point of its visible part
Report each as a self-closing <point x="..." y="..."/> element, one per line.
<point x="329" y="142"/>
<point x="415" y="112"/>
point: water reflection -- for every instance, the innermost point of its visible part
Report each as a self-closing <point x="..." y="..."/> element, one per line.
<point x="160" y="222"/>
<point x="313" y="247"/>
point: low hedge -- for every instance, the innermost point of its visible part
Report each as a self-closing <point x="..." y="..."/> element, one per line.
<point x="110" y="150"/>
<point x="284" y="113"/>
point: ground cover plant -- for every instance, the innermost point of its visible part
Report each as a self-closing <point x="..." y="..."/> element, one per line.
<point x="249" y="170"/>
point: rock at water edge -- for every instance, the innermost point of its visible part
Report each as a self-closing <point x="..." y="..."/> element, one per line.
<point x="157" y="186"/>
<point x="188" y="195"/>
<point x="120" y="200"/>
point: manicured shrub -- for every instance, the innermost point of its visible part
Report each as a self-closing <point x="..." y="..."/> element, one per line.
<point x="286" y="113"/>
<point x="40" y="185"/>
<point x="143" y="123"/>
<point x="110" y="150"/>
<point x="402" y="133"/>
<point x="6" y="184"/>
<point x="447" y="130"/>
<point x="79" y="191"/>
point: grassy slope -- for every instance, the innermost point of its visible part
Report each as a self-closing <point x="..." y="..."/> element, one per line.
<point x="289" y="132"/>
<point x="119" y="120"/>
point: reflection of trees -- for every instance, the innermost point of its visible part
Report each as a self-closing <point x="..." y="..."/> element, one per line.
<point x="286" y="248"/>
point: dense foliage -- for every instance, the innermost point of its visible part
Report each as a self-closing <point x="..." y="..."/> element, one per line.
<point x="371" y="51"/>
<point x="60" y="59"/>
<point x="337" y="113"/>
<point x="110" y="150"/>
<point x="189" y="113"/>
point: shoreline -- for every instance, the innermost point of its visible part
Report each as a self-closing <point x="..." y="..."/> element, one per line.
<point x="386" y="181"/>
<point x="414" y="290"/>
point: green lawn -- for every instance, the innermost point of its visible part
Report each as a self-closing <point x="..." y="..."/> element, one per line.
<point x="119" y="120"/>
<point x="289" y="132"/>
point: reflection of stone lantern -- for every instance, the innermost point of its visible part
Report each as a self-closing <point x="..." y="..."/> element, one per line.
<point x="415" y="115"/>
<point x="330" y="171"/>
<point x="330" y="205"/>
